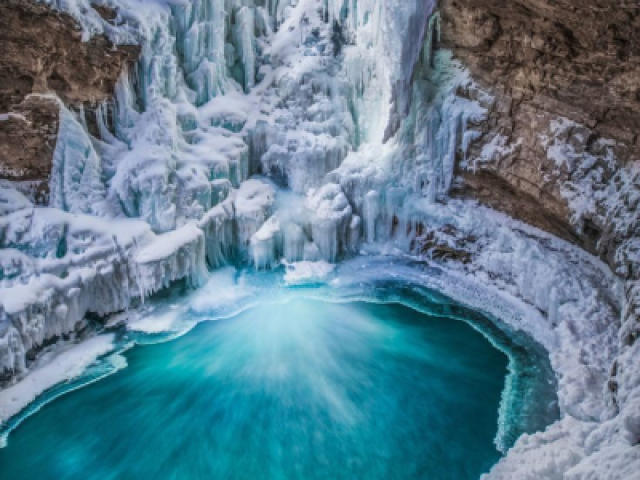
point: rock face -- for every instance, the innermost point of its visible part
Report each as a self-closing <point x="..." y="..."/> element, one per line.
<point x="43" y="55"/>
<point x="565" y="78"/>
<point x="559" y="147"/>
<point x="27" y="141"/>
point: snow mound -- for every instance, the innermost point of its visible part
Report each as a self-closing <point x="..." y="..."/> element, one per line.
<point x="300" y="273"/>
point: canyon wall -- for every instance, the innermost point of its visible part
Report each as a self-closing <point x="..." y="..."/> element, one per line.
<point x="559" y="149"/>
<point x="45" y="58"/>
<point x="560" y="146"/>
<point x="564" y="77"/>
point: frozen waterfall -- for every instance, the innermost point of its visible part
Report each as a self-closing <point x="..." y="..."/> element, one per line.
<point x="299" y="92"/>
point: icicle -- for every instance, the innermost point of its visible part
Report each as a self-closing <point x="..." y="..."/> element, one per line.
<point x="371" y="214"/>
<point x="294" y="242"/>
<point x="76" y="184"/>
<point x="433" y="33"/>
<point x="253" y="206"/>
<point x="218" y="226"/>
<point x="354" y="234"/>
<point x="243" y="33"/>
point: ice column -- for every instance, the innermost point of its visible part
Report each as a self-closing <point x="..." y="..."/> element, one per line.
<point x="266" y="245"/>
<point x="201" y="29"/>
<point x="253" y="206"/>
<point x="243" y="35"/>
<point x="330" y="220"/>
<point x="76" y="183"/>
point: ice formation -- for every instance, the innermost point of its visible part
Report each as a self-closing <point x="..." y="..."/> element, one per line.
<point x="302" y="132"/>
<point x="66" y="364"/>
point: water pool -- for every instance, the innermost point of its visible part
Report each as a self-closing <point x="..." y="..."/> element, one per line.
<point x="302" y="389"/>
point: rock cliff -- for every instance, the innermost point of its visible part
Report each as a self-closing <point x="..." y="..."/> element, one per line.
<point x="44" y="55"/>
<point x="564" y="77"/>
<point x="559" y="147"/>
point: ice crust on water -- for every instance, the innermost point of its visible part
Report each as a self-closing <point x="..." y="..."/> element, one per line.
<point x="57" y="267"/>
<point x="303" y="93"/>
<point x="300" y="273"/>
<point x="65" y="365"/>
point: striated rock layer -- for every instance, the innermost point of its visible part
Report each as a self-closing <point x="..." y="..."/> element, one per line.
<point x="565" y="78"/>
<point x="559" y="146"/>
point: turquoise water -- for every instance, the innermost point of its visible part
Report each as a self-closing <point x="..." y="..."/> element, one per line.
<point x="300" y="390"/>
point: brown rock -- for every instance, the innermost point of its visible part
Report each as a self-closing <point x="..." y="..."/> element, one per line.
<point x="545" y="60"/>
<point x="43" y="54"/>
<point x="27" y="141"/>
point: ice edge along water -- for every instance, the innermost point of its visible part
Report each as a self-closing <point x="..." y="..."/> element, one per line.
<point x="525" y="406"/>
<point x="304" y="92"/>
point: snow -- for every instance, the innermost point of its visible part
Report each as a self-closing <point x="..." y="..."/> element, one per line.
<point x="166" y="244"/>
<point x="157" y="323"/>
<point x="299" y="273"/>
<point x="63" y="367"/>
<point x="222" y="292"/>
<point x="5" y="117"/>
<point x="11" y="200"/>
